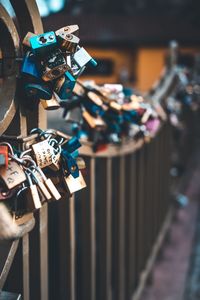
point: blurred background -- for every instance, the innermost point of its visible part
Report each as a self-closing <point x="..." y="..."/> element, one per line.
<point x="128" y="38"/>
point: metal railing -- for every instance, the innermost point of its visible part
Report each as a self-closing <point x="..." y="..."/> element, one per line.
<point x="97" y="244"/>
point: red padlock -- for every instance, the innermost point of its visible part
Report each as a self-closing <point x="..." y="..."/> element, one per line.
<point x="3" y="156"/>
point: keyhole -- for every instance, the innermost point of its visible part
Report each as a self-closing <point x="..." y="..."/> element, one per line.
<point x="42" y="39"/>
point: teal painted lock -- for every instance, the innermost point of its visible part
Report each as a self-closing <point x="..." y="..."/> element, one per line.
<point x="39" y="91"/>
<point x="30" y="66"/>
<point x="69" y="164"/>
<point x="65" y="85"/>
<point x="72" y="145"/>
<point x="43" y="43"/>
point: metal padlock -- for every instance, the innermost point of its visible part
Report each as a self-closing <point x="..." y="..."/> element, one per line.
<point x="93" y="122"/>
<point x="43" y="43"/>
<point x="32" y="195"/>
<point x="64" y="85"/>
<point x="72" y="145"/>
<point x="51" y="104"/>
<point x="54" y="65"/>
<point x="26" y="40"/>
<point x="39" y="182"/>
<point x="43" y="153"/>
<point x="49" y="185"/>
<point x="74" y="184"/>
<point x="115" y="106"/>
<point x="69" y="163"/>
<point x="30" y="66"/>
<point x="6" y="194"/>
<point x="69" y="29"/>
<point x="12" y="175"/>
<point x="38" y="91"/>
<point x="82" y="58"/>
<point x="3" y="156"/>
<point x="67" y="40"/>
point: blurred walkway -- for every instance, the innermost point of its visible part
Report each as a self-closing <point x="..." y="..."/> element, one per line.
<point x="176" y="275"/>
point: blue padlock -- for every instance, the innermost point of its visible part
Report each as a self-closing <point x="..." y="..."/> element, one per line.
<point x="30" y="67"/>
<point x="70" y="164"/>
<point x="43" y="43"/>
<point x="38" y="91"/>
<point x="82" y="58"/>
<point x="72" y="145"/>
<point x="65" y="85"/>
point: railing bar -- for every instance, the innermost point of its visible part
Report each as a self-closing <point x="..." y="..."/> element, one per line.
<point x="43" y="227"/>
<point x="93" y="228"/>
<point x="72" y="247"/>
<point x="26" y="269"/>
<point x="121" y="226"/>
<point x="109" y="229"/>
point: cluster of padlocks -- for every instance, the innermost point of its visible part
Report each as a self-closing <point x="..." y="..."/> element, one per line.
<point x="186" y="96"/>
<point x="52" y="64"/>
<point x="49" y="168"/>
<point x="110" y="113"/>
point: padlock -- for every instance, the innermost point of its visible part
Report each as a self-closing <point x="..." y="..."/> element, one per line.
<point x="115" y="106"/>
<point x="32" y="195"/>
<point x="51" y="104"/>
<point x="49" y="185"/>
<point x="38" y="91"/>
<point x="26" y="40"/>
<point x="69" y="30"/>
<point x="43" y="43"/>
<point x="97" y="122"/>
<point x="80" y="163"/>
<point x="43" y="152"/>
<point x="3" y="156"/>
<point x="82" y="58"/>
<point x="12" y="175"/>
<point x="30" y="66"/>
<point x="146" y="115"/>
<point x="74" y="184"/>
<point x="67" y="40"/>
<point x="54" y="65"/>
<point x="72" y="145"/>
<point x="6" y="194"/>
<point x="39" y="182"/>
<point x="69" y="164"/>
<point x="64" y="85"/>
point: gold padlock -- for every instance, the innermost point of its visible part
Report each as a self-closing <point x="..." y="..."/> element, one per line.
<point x="32" y="195"/>
<point x="115" y="106"/>
<point x="12" y="175"/>
<point x="74" y="184"/>
<point x="93" y="122"/>
<point x="51" y="104"/>
<point x="26" y="40"/>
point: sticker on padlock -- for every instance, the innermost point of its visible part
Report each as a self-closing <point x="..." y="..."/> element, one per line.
<point x="75" y="184"/>
<point x="82" y="58"/>
<point x="43" y="43"/>
<point x="43" y="153"/>
<point x="3" y="156"/>
<point x="54" y="65"/>
<point x="12" y="175"/>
